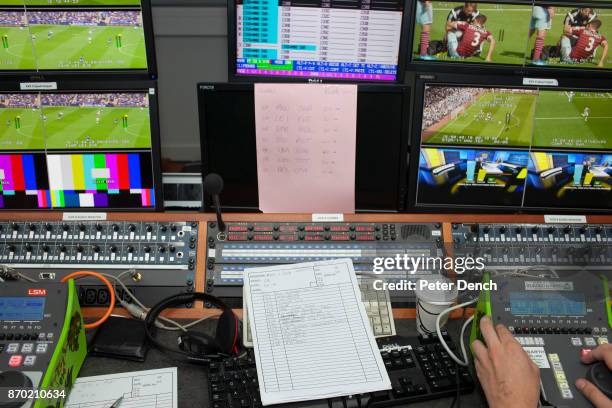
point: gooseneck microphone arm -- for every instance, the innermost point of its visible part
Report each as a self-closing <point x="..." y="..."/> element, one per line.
<point x="213" y="185"/>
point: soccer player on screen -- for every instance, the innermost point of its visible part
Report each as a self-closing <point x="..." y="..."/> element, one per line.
<point x="472" y="38"/>
<point x="570" y="96"/>
<point x="586" y="113"/>
<point x="424" y="17"/>
<point x="466" y="13"/>
<point x="541" y="22"/>
<point x="579" y="17"/>
<point x="589" y="39"/>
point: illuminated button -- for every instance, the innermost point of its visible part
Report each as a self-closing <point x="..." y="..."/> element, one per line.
<point x="29" y="361"/>
<point x="602" y="340"/>
<point x="15" y="361"/>
<point x="590" y="341"/>
<point x="41" y="336"/>
<point x="49" y="336"/>
<point x="27" y="348"/>
<point x="12" y="348"/>
<point x="41" y="348"/>
<point x="576" y="341"/>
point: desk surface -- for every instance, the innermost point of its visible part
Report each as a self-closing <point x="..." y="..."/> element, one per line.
<point x="192" y="380"/>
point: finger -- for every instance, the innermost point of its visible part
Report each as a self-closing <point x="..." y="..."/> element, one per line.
<point x="599" y="353"/>
<point x="592" y="393"/>
<point x="488" y="332"/>
<point x="504" y="334"/>
<point x="481" y="353"/>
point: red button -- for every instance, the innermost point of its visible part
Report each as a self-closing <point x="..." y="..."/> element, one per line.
<point x="15" y="361"/>
<point x="584" y="352"/>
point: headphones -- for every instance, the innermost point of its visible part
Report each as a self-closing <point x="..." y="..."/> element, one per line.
<point x="197" y="346"/>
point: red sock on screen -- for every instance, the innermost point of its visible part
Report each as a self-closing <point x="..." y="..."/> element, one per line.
<point x="424" y="42"/>
<point x="537" y="53"/>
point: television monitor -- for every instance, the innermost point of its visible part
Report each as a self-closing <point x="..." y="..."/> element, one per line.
<point x="227" y="137"/>
<point x="520" y="34"/>
<point x="81" y="36"/>
<point x="317" y="40"/>
<point x="85" y="149"/>
<point x="492" y="142"/>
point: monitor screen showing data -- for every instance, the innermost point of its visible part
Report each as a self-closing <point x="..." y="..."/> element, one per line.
<point x="515" y="147"/>
<point x="76" y="150"/>
<point x="352" y="40"/>
<point x="88" y="35"/>
<point x="521" y="34"/>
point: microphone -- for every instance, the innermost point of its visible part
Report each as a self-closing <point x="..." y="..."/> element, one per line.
<point x="213" y="185"/>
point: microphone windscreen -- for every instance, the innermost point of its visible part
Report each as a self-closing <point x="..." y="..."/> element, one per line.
<point x="212" y="184"/>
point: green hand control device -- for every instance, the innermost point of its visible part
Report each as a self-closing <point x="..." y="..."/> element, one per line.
<point x="555" y="320"/>
<point x="42" y="343"/>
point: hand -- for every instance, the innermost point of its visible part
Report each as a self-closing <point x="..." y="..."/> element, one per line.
<point x="591" y="392"/>
<point x="508" y="376"/>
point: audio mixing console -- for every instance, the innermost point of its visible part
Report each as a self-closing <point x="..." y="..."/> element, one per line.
<point x="162" y="254"/>
<point x="250" y="244"/>
<point x="527" y="245"/>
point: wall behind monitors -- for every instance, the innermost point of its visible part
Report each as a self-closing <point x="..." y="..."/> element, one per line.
<point x="53" y="36"/>
<point x="517" y="34"/>
<point x="227" y="131"/>
<point x="353" y="40"/>
<point x="79" y="149"/>
<point x="492" y="143"/>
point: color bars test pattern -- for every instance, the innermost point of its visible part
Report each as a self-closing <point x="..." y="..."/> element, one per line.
<point x="78" y="180"/>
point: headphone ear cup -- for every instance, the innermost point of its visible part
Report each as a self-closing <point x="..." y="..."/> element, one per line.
<point x="198" y="344"/>
<point x="227" y="332"/>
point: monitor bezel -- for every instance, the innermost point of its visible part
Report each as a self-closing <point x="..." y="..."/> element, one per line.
<point x="150" y="73"/>
<point x="232" y="54"/>
<point x="106" y="86"/>
<point x="578" y="84"/>
<point x="206" y="87"/>
<point x="503" y="69"/>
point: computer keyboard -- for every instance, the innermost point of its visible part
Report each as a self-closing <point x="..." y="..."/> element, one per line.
<point x="419" y="370"/>
<point x="377" y="305"/>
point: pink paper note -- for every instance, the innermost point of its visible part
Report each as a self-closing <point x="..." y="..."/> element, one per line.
<point x="306" y="137"/>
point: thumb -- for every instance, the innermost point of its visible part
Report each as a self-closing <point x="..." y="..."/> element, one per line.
<point x="592" y="393"/>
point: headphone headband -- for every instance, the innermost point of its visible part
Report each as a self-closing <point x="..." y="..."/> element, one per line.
<point x="177" y="300"/>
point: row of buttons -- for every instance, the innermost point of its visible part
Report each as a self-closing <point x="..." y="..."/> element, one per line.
<point x="530" y="341"/>
<point x="589" y="341"/>
<point x="25" y="336"/>
<point x="27" y="348"/>
<point x="18" y="360"/>
<point x="562" y="383"/>
<point x="550" y="330"/>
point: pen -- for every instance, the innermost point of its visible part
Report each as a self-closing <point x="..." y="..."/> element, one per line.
<point x="117" y="403"/>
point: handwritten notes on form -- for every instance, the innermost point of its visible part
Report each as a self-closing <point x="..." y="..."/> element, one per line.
<point x="139" y="389"/>
<point x="306" y="143"/>
<point x="311" y="333"/>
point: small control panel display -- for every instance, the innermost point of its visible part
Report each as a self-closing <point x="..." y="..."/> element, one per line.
<point x="547" y="304"/>
<point x="22" y="308"/>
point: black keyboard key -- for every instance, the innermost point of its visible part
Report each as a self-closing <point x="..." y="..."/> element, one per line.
<point x="218" y="396"/>
<point x="420" y="389"/>
<point x="379" y="395"/>
<point x="441" y="384"/>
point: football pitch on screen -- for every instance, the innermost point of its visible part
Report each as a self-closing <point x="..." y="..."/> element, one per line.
<point x="496" y="118"/>
<point x="509" y="25"/>
<point x="65" y="47"/>
<point x="560" y="121"/>
<point x="78" y="47"/>
<point x="554" y="35"/>
<point x="74" y="128"/>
